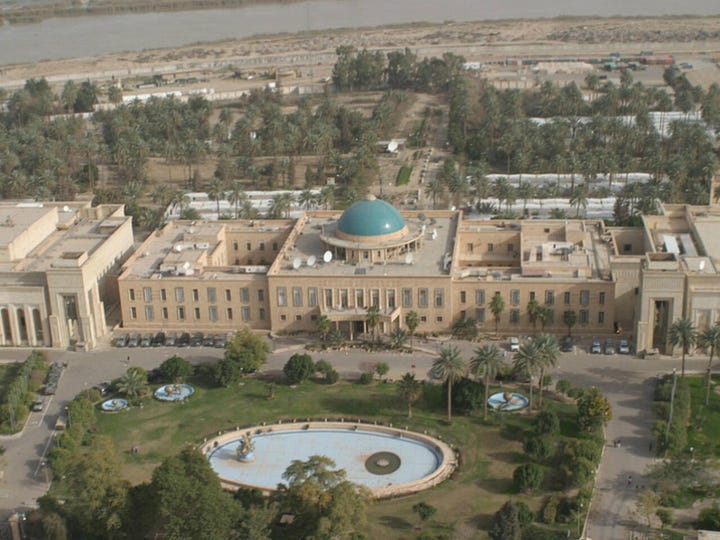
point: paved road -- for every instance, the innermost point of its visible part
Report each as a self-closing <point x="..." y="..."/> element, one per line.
<point x="627" y="382"/>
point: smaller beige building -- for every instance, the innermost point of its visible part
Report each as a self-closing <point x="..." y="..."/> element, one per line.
<point x="58" y="268"/>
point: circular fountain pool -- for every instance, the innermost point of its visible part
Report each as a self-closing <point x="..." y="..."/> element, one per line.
<point x="507" y="401"/>
<point x="174" y="392"/>
<point x="114" y="405"/>
<point x="387" y="461"/>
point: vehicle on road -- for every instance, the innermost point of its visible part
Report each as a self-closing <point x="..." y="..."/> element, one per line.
<point x="146" y="340"/>
<point x="567" y="345"/>
<point x="122" y="340"/>
<point x="197" y="339"/>
<point x="60" y="423"/>
<point x="184" y="339"/>
<point x="103" y="388"/>
<point x="171" y="339"/>
<point x="38" y="404"/>
<point x="134" y="340"/>
<point x="514" y="344"/>
<point x="595" y="347"/>
<point x="624" y="347"/>
<point x="220" y="341"/>
<point x="159" y="339"/>
<point x="609" y="346"/>
<point x="209" y="341"/>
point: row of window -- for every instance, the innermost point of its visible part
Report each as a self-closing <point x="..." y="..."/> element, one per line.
<point x="514" y="316"/>
<point x="248" y="246"/>
<point x="470" y="247"/>
<point x="342" y="298"/>
<point x="213" y="313"/>
<point x="210" y="294"/>
<point x="549" y="297"/>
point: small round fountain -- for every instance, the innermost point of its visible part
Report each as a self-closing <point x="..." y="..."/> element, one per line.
<point x="246" y="449"/>
<point x="174" y="392"/>
<point x="507" y="401"/>
<point x="114" y="405"/>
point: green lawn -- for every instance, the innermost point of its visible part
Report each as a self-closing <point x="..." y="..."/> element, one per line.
<point x="704" y="432"/>
<point x="490" y="451"/>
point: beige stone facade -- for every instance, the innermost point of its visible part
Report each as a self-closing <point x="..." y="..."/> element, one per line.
<point x="58" y="269"/>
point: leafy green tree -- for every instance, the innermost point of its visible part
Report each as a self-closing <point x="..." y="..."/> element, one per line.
<point x="528" y="477"/>
<point x="547" y="423"/>
<point x="497" y="306"/>
<point x="299" y="368"/>
<point x="448" y="367"/>
<point x="227" y="372"/>
<point x="537" y="447"/>
<point x="570" y="320"/>
<point x="372" y="319"/>
<point x="647" y="505"/>
<point x="412" y="321"/>
<point x="424" y="510"/>
<point x="465" y="328"/>
<point x="666" y="517"/>
<point x="409" y="389"/>
<point x="247" y="349"/>
<point x="709" y="518"/>
<point x="398" y="338"/>
<point x="381" y="369"/>
<point x="593" y="410"/>
<point x="175" y="369"/>
<point x="710" y="339"/>
<point x="533" y="312"/>
<point x="486" y="363"/>
<point x="506" y="523"/>
<point x="683" y="334"/>
<point x="324" y="325"/>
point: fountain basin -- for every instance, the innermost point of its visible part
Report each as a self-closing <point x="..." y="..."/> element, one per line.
<point x="389" y="462"/>
<point x="114" y="405"/>
<point x="174" y="392"/>
<point x="515" y="403"/>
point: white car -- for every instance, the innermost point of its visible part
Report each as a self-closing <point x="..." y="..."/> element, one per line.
<point x="514" y="344"/>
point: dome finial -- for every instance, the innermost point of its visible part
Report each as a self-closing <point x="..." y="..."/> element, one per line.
<point x="370" y="197"/>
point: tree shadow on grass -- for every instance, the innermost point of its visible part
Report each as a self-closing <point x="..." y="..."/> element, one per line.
<point x="360" y="407"/>
<point x="395" y="522"/>
<point x="496" y="485"/>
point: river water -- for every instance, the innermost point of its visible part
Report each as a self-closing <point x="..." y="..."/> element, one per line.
<point x="91" y="36"/>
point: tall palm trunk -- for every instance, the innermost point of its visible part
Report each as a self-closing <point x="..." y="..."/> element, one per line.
<point x="709" y="377"/>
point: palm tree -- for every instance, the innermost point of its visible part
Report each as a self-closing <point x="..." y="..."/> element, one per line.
<point x="549" y="352"/>
<point x="570" y="320"/>
<point x="545" y="315"/>
<point x="306" y="198"/>
<point x="497" y="306"/>
<point x="216" y="193"/>
<point x="409" y="390"/>
<point x="412" y="321"/>
<point x="579" y="199"/>
<point x="683" y="334"/>
<point x="448" y="368"/>
<point x="372" y="318"/>
<point x="710" y="338"/>
<point x="324" y="325"/>
<point x="236" y="195"/>
<point x="281" y="204"/>
<point x="533" y="311"/>
<point x="132" y="383"/>
<point x="398" y="337"/>
<point x="527" y="361"/>
<point x="433" y="189"/>
<point x="486" y="363"/>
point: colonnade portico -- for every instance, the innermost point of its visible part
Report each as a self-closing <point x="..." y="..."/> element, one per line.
<point x="23" y="325"/>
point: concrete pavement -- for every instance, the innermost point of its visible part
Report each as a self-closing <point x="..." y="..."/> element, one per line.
<point x="626" y="381"/>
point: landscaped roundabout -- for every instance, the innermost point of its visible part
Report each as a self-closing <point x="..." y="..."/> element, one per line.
<point x="388" y="461"/>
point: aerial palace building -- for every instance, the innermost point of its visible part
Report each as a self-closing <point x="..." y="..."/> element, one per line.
<point x="282" y="275"/>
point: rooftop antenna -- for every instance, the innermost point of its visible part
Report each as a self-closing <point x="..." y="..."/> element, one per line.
<point x="297" y="263"/>
<point x="311" y="261"/>
<point x="327" y="256"/>
<point x="409" y="258"/>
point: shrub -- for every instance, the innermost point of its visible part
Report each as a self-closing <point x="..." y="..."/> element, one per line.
<point x="323" y="367"/>
<point x="467" y="395"/>
<point x="175" y="369"/>
<point x="298" y="368"/>
<point x="709" y="519"/>
<point x="403" y="176"/>
<point x="331" y="377"/>
<point x="525" y="515"/>
<point x="563" y="386"/>
<point x="547" y="423"/>
<point x="577" y="472"/>
<point x="528" y="477"/>
<point x="537" y="448"/>
<point x="575" y="393"/>
<point x="666" y="516"/>
<point x="227" y="372"/>
<point x="366" y="378"/>
<point x="91" y="394"/>
<point x="549" y="513"/>
<point x="506" y="523"/>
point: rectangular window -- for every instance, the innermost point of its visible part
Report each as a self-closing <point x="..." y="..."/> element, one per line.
<point x="463" y="315"/>
<point x="439" y="297"/>
<point x="163" y="295"/>
<point x="514" y="316"/>
<point x="463" y="297"/>
<point x="244" y="295"/>
<point x="213" y="313"/>
<point x="131" y="294"/>
<point x="391" y="298"/>
<point x="229" y="314"/>
<point x="245" y="313"/>
<point x="601" y="317"/>
<point x="601" y="299"/>
<point x="297" y="296"/>
<point x="248" y="245"/>
<point x="133" y="312"/>
<point x="375" y="297"/>
<point x="228" y="295"/>
<point x="480" y="297"/>
<point x="262" y="246"/>
<point x="470" y="247"/>
<point x="422" y="298"/>
<point x="480" y="314"/>
<point x="312" y="297"/>
<point x="261" y="314"/>
<point x="328" y="297"/>
<point x="212" y="295"/>
<point x="235" y="245"/>
<point x="407" y="298"/>
<point x="359" y="298"/>
<point x="515" y="297"/>
<point x="439" y="318"/>
<point x="584" y="316"/>
<point x="490" y="247"/>
<point x="584" y="297"/>
<point x="298" y="317"/>
<point x="510" y="248"/>
<point x="165" y="314"/>
<point x="275" y="246"/>
<point x="149" y="313"/>
<point x="147" y="294"/>
<point x="181" y="313"/>
<point x="196" y="295"/>
<point x="549" y="297"/>
<point x="566" y="298"/>
<point x="532" y="295"/>
<point x="283" y="317"/>
<point x="197" y="313"/>
<point x="261" y="295"/>
<point x="281" y="296"/>
<point x="423" y="318"/>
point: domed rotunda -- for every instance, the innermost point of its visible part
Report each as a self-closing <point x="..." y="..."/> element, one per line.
<point x="372" y="231"/>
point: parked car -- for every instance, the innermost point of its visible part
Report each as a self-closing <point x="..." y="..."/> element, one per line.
<point x="197" y="339"/>
<point x="134" y="340"/>
<point x="209" y="341"/>
<point x="624" y="347"/>
<point x="122" y="340"/>
<point x="159" y="339"/>
<point x="514" y="344"/>
<point x="146" y="340"/>
<point x="38" y="404"/>
<point x="609" y="346"/>
<point x="184" y="339"/>
<point x="171" y="339"/>
<point x="153" y="376"/>
<point x="595" y="347"/>
<point x="220" y="341"/>
<point x="567" y="345"/>
<point x="103" y="388"/>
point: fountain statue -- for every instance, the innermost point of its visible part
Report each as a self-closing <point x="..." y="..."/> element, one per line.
<point x="246" y="448"/>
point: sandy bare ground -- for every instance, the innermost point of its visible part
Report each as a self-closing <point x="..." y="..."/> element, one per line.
<point x="476" y="41"/>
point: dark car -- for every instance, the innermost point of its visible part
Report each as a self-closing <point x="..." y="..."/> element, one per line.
<point x="197" y="339"/>
<point x="568" y="345"/>
<point x="184" y="339"/>
<point x="122" y="340"/>
<point x="209" y="341"/>
<point x="609" y="346"/>
<point x="171" y="339"/>
<point x="624" y="347"/>
<point x="220" y="341"/>
<point x="153" y="376"/>
<point x="595" y="347"/>
<point x="103" y="388"/>
<point x="134" y="340"/>
<point x="146" y="340"/>
<point x="159" y="339"/>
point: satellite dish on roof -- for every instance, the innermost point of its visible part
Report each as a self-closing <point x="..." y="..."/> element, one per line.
<point x="327" y="256"/>
<point x="701" y="265"/>
<point x="297" y="263"/>
<point x="311" y="261"/>
<point x="409" y="258"/>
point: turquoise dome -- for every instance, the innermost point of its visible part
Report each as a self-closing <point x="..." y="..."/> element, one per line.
<point x="371" y="217"/>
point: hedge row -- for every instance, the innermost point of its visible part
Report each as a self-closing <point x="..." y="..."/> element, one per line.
<point x="19" y="396"/>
